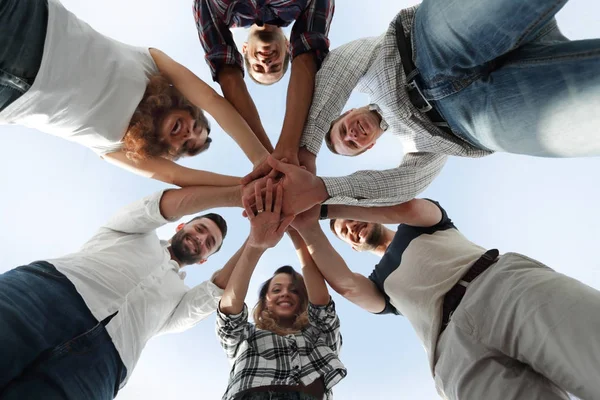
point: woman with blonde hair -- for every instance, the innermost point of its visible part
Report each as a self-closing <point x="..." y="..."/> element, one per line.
<point x="291" y="351"/>
<point x="133" y="106"/>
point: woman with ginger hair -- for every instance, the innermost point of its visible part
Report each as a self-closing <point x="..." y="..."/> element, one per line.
<point x="291" y="351"/>
<point x="133" y="106"/>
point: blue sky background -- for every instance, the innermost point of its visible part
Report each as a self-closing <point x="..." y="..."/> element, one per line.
<point x="56" y="194"/>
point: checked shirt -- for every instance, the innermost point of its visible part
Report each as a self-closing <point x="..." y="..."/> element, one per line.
<point x="373" y="66"/>
<point x="263" y="358"/>
<point x="215" y="17"/>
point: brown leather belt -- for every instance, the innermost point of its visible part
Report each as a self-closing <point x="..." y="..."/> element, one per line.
<point x="454" y="296"/>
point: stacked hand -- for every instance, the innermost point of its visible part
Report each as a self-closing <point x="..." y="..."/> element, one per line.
<point x="266" y="224"/>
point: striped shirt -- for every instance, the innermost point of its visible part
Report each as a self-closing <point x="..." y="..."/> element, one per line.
<point x="215" y="17"/>
<point x="373" y="66"/>
<point x="263" y="358"/>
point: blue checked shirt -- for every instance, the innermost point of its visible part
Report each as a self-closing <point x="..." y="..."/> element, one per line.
<point x="263" y="358"/>
<point x="215" y="17"/>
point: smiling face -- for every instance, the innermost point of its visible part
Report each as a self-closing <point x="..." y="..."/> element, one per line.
<point x="195" y="241"/>
<point x="265" y="53"/>
<point x="186" y="137"/>
<point x="355" y="131"/>
<point x="362" y="236"/>
<point x="283" y="297"/>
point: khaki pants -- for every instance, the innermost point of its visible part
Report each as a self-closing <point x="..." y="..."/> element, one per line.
<point x="522" y="331"/>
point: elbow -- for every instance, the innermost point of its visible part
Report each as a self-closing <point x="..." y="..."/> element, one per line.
<point x="344" y="288"/>
<point x="406" y="211"/>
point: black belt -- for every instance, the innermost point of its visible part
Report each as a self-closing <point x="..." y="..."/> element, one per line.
<point x="414" y="92"/>
<point x="454" y="296"/>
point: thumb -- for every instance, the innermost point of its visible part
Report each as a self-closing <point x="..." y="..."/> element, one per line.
<point x="285" y="224"/>
<point x="279" y="165"/>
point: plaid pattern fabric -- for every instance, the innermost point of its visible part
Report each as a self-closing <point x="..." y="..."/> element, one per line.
<point x="263" y="358"/>
<point x="215" y="17"/>
<point x="373" y="67"/>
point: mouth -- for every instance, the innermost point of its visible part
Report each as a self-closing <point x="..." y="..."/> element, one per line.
<point x="193" y="244"/>
<point x="362" y="128"/>
<point x="285" y="304"/>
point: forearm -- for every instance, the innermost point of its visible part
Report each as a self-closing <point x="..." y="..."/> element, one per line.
<point x="318" y="294"/>
<point x="416" y="212"/>
<point x="299" y="98"/>
<point x="176" y="203"/>
<point x="235" y="91"/>
<point x="232" y="301"/>
<point x="221" y="277"/>
<point x="330" y="264"/>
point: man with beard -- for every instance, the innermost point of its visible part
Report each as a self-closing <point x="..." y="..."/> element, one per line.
<point x="493" y="326"/>
<point x="74" y="326"/>
<point x="266" y="54"/>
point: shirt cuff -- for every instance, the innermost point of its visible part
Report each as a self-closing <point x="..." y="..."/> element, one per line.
<point x="310" y="41"/>
<point x="233" y="320"/>
<point x="322" y="312"/>
<point x="223" y="55"/>
<point x="153" y="207"/>
<point x="340" y="190"/>
<point x="312" y="138"/>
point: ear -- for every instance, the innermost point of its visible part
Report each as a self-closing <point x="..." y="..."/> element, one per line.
<point x="370" y="146"/>
<point x="202" y="261"/>
<point x="179" y="227"/>
<point x="244" y="47"/>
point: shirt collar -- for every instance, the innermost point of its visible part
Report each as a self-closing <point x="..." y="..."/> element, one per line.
<point x="383" y="125"/>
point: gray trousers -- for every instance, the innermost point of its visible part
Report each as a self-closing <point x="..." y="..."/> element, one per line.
<point x="522" y="331"/>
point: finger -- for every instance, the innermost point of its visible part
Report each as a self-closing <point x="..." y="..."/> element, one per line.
<point x="278" y="200"/>
<point x="259" y="199"/>
<point x="279" y="165"/>
<point x="259" y="172"/>
<point x="244" y="214"/>
<point x="269" y="196"/>
<point x="273" y="174"/>
<point x="285" y="224"/>
<point x="248" y="208"/>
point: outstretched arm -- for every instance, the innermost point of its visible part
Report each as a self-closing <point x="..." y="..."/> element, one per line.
<point x="203" y="96"/>
<point x="416" y="212"/>
<point x="170" y="172"/>
<point x="355" y="287"/>
<point x="176" y="203"/>
<point x="318" y="294"/>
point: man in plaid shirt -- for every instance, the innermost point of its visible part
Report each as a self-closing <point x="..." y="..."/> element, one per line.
<point x="266" y="55"/>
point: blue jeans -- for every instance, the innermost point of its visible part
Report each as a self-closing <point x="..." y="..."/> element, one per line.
<point x="23" y="26"/>
<point x="505" y="78"/>
<point x="52" y="346"/>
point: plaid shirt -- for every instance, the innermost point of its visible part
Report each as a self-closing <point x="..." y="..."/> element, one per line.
<point x="215" y="17"/>
<point x="373" y="66"/>
<point x="263" y="358"/>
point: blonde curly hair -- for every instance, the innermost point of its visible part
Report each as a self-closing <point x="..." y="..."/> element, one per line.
<point x="263" y="319"/>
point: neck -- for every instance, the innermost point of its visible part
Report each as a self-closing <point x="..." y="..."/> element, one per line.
<point x="388" y="236"/>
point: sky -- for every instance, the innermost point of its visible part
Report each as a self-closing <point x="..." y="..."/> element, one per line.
<point x="56" y="194"/>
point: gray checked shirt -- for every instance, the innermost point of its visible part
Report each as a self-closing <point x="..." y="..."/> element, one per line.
<point x="373" y="66"/>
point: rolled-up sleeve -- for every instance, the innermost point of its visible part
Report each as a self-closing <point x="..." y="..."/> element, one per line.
<point x="197" y="304"/>
<point x="216" y="38"/>
<point x="388" y="187"/>
<point x="141" y="216"/>
<point x="311" y="29"/>
<point x="232" y="330"/>
<point x="326" y="320"/>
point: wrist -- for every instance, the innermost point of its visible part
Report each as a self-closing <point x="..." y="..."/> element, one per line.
<point x="321" y="193"/>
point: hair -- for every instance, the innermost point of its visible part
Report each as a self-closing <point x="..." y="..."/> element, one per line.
<point x="332" y="226"/>
<point x="142" y="139"/>
<point x="263" y="318"/>
<point x="217" y="219"/>
<point x="284" y="68"/>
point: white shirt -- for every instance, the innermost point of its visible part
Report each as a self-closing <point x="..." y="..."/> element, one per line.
<point x="87" y="87"/>
<point x="126" y="268"/>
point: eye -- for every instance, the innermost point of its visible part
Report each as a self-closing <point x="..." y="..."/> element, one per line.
<point x="176" y="127"/>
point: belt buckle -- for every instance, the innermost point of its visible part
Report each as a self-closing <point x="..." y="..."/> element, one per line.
<point x="412" y="85"/>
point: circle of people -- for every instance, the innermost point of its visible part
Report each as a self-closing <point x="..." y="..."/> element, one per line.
<point x="475" y="79"/>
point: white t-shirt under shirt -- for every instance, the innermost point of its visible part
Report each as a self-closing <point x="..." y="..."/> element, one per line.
<point x="88" y="85"/>
<point x="125" y="268"/>
<point x="417" y="270"/>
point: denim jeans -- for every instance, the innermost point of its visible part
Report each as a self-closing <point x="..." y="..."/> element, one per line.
<point x="505" y="78"/>
<point x="52" y="346"/>
<point x="23" y="26"/>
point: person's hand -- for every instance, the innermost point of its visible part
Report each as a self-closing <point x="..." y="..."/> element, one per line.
<point x="301" y="189"/>
<point x="307" y="219"/>
<point x="266" y="226"/>
<point x="265" y="170"/>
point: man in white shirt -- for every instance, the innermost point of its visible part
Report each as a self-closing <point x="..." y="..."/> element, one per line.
<point x="493" y="326"/>
<point x="74" y="327"/>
